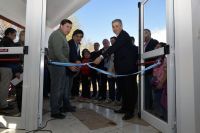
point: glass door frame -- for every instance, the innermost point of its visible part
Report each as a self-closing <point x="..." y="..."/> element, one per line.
<point x="170" y="125"/>
<point x="30" y="118"/>
<point x="13" y="121"/>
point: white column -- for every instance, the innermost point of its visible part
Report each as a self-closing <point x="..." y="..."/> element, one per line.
<point x="196" y="59"/>
<point x="34" y="28"/>
<point x="187" y="47"/>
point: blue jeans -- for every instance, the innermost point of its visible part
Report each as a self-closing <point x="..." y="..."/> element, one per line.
<point x="59" y="88"/>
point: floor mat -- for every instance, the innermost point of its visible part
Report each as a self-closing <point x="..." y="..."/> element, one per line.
<point x="88" y="116"/>
<point x="135" y="120"/>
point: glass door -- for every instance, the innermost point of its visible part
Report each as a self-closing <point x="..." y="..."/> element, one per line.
<point x="21" y="92"/>
<point x="157" y="45"/>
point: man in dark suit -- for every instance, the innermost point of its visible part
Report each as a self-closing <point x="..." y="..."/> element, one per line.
<point x="125" y="60"/>
<point x="75" y="57"/>
<point x="104" y="66"/>
<point x="149" y="45"/>
<point x="95" y="75"/>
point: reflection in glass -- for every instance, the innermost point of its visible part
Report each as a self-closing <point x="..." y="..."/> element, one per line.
<point x="155" y="90"/>
<point x="11" y="70"/>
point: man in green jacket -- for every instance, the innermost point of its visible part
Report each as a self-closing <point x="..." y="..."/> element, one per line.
<point x="59" y="51"/>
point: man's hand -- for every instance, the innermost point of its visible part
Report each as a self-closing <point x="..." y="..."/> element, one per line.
<point x="97" y="60"/>
<point x="73" y="68"/>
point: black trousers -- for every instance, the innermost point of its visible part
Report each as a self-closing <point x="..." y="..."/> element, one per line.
<point x="111" y="83"/>
<point x="118" y="92"/>
<point x="47" y="83"/>
<point x="95" y="79"/>
<point x="86" y="84"/>
<point x="103" y="86"/>
<point x="19" y="96"/>
<point x="75" y="86"/>
<point x="129" y="91"/>
<point x="148" y="92"/>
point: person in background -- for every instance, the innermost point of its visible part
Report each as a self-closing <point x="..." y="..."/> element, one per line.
<point x="125" y="62"/>
<point x="149" y="45"/>
<point x="95" y="75"/>
<point x="75" y="57"/>
<point x="111" y="80"/>
<point x="8" y="70"/>
<point x="118" y="94"/>
<point x="133" y="41"/>
<point x="86" y="74"/>
<point x="103" y="77"/>
<point x="59" y="52"/>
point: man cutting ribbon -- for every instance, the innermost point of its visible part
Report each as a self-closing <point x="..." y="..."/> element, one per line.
<point x="126" y="56"/>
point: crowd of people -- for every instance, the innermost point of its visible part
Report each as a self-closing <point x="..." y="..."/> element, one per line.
<point x="119" y="55"/>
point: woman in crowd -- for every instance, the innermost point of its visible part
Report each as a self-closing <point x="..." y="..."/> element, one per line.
<point x="86" y="74"/>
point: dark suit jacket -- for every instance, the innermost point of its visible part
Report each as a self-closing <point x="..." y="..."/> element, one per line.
<point x="150" y="46"/>
<point x="74" y="55"/>
<point x="125" y="54"/>
<point x="15" y="66"/>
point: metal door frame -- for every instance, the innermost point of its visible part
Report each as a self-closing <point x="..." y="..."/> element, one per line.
<point x="170" y="126"/>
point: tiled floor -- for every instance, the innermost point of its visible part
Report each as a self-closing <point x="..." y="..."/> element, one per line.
<point x="72" y="125"/>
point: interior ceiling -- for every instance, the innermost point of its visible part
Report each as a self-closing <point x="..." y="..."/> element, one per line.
<point x="56" y="10"/>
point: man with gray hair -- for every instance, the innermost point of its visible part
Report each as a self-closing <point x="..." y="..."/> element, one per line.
<point x="125" y="62"/>
<point x="104" y="66"/>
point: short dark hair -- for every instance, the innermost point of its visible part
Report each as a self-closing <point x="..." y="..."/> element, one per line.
<point x="132" y="38"/>
<point x="114" y="37"/>
<point x="64" y="21"/>
<point x="85" y="51"/>
<point x="9" y="30"/>
<point x="96" y="43"/>
<point x="78" y="31"/>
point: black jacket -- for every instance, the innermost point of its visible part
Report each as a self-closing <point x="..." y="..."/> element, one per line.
<point x="7" y="42"/>
<point x="151" y="45"/>
<point x="125" y="54"/>
<point x="16" y="67"/>
<point x="74" y="54"/>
